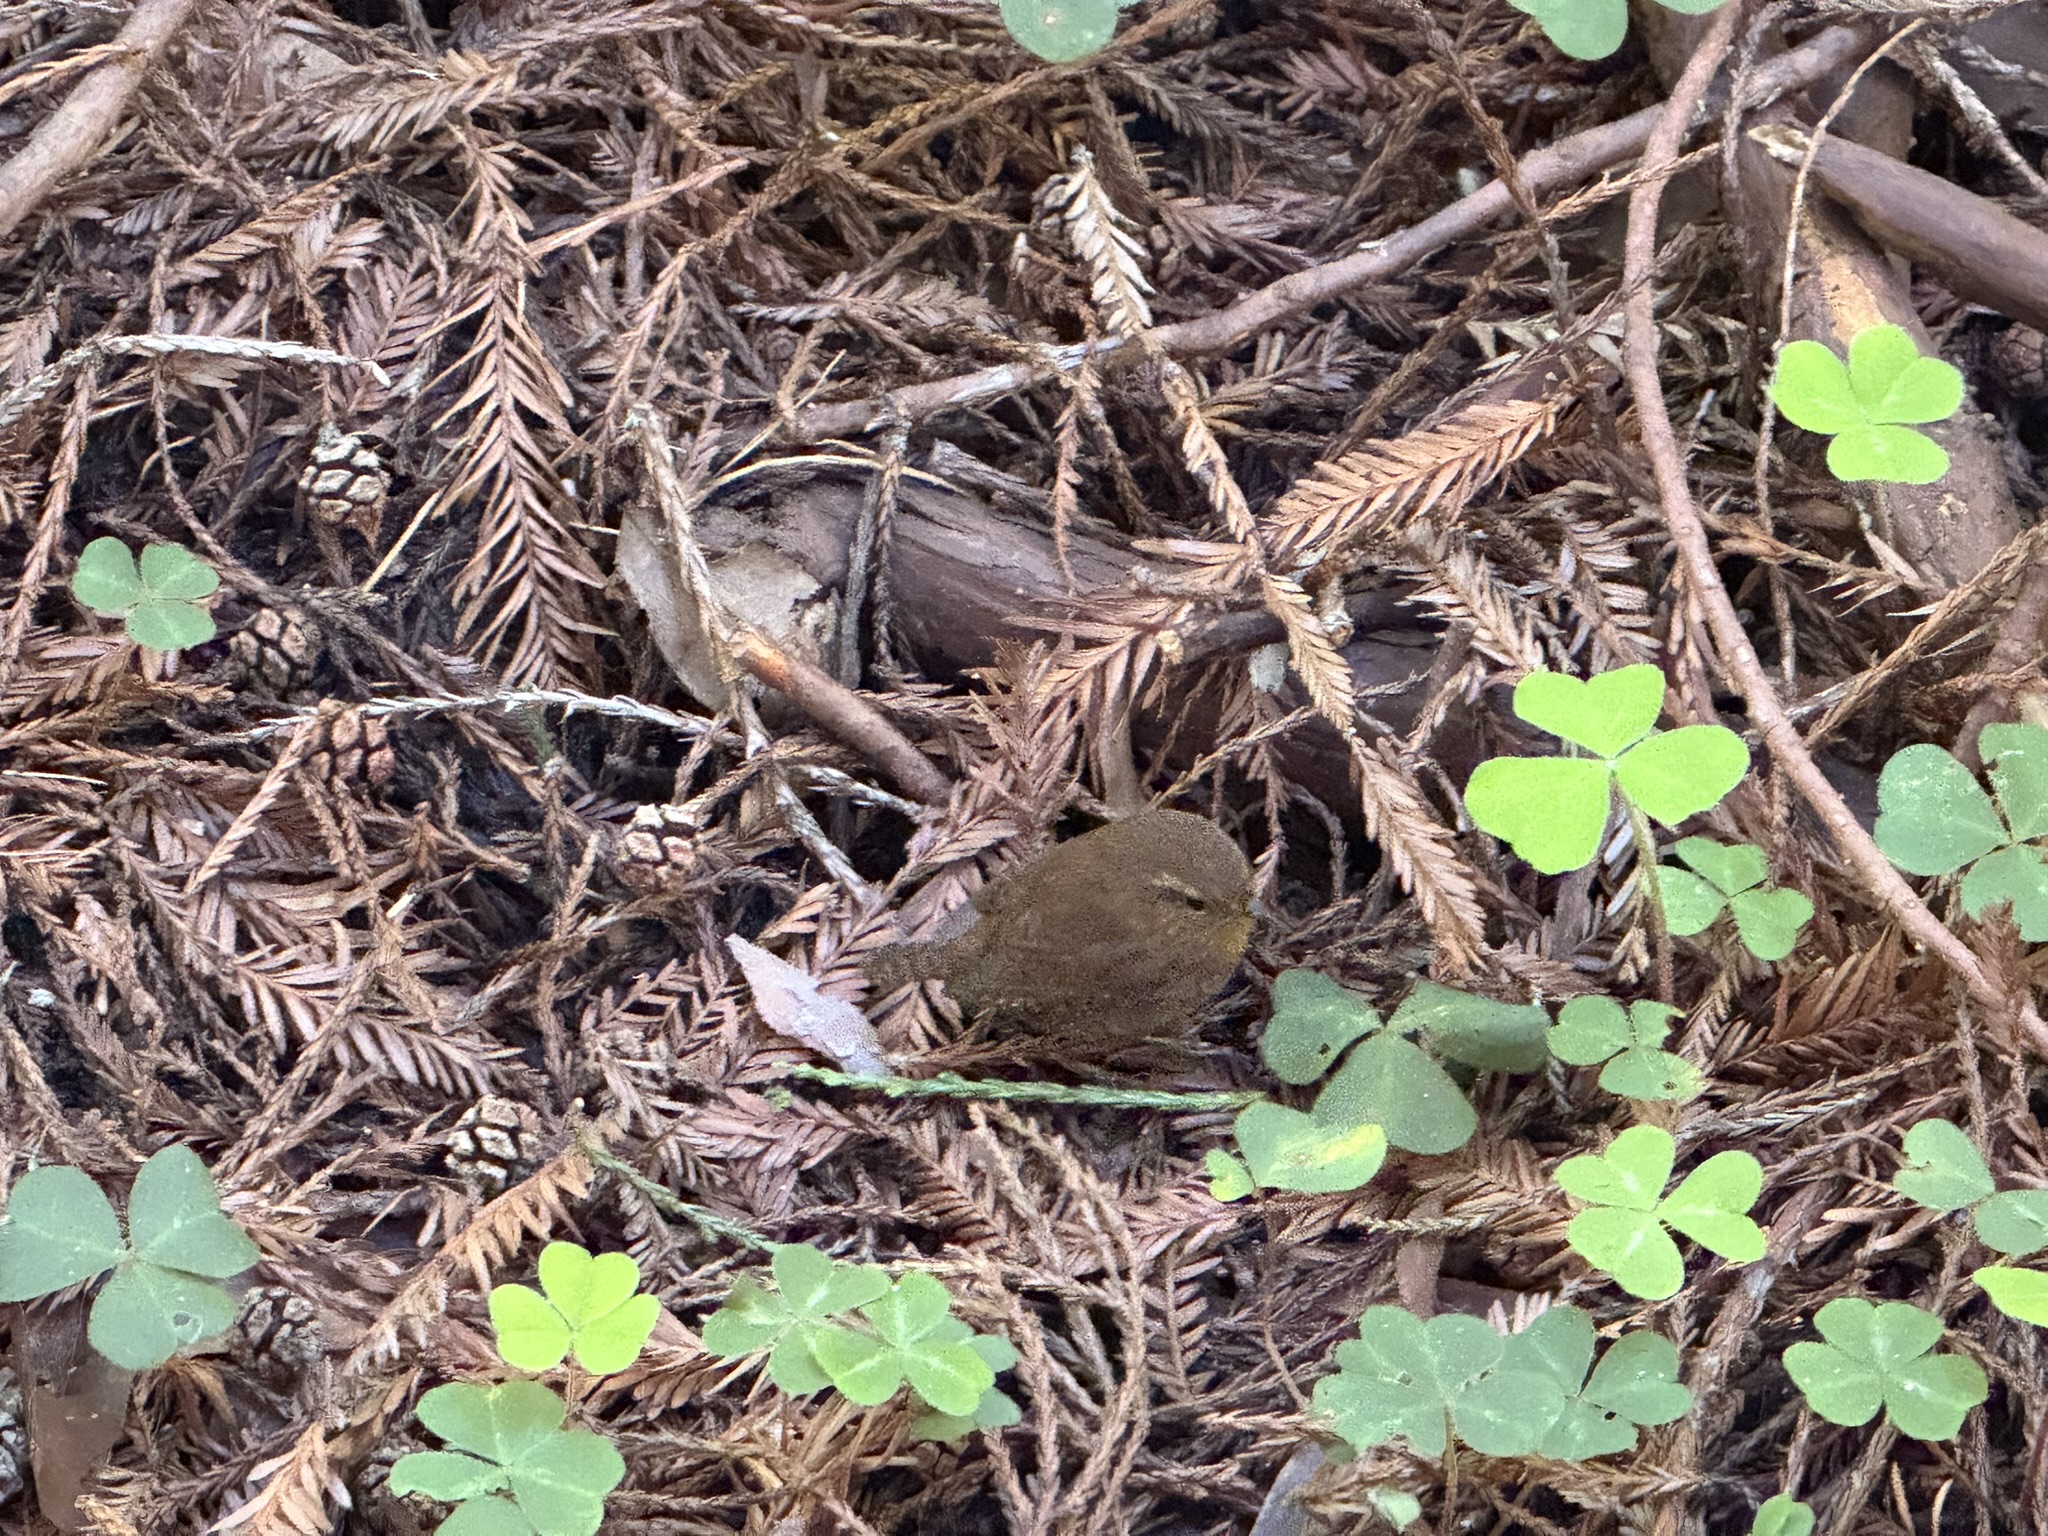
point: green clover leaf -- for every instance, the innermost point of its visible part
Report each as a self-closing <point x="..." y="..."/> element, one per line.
<point x="1402" y="1376"/>
<point x="1782" y="1515"/>
<point x="1944" y="1170"/>
<point x="1478" y="1031"/>
<point x="1606" y="714"/>
<point x="2018" y="755"/>
<point x="2021" y="1294"/>
<point x="1878" y="1356"/>
<point x="145" y="1314"/>
<point x="1885" y="382"/>
<point x="1636" y="1383"/>
<point x="2014" y="1223"/>
<point x="1592" y="29"/>
<point x="1580" y="29"/>
<point x="590" y="1307"/>
<point x="1767" y="921"/>
<point x="812" y="1288"/>
<point x="1934" y="819"/>
<point x="996" y="1410"/>
<point x="1313" y="1020"/>
<point x="1553" y="810"/>
<point x="558" y="1478"/>
<point x="1594" y="1029"/>
<point x="912" y="1340"/>
<point x="1622" y="1234"/>
<point x="1060" y="31"/>
<point x="175" y="1219"/>
<point x="1933" y="816"/>
<point x="60" y="1230"/>
<point x="159" y="599"/>
<point x="1390" y="1081"/>
<point x="1550" y="810"/>
<point x="1229" y="1178"/>
<point x="1287" y="1149"/>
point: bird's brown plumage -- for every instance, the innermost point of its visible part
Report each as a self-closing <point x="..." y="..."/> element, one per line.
<point x="1120" y="934"/>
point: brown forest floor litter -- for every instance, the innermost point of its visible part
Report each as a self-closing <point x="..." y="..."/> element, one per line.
<point x="639" y="273"/>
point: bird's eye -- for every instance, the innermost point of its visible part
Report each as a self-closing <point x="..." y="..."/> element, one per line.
<point x="1181" y="891"/>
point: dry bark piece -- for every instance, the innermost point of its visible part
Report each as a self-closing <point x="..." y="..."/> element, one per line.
<point x="1977" y="250"/>
<point x="1946" y="532"/>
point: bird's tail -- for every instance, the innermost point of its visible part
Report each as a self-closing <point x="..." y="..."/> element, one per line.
<point x="898" y="965"/>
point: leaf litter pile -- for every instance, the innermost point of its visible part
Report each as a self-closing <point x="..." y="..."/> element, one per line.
<point x="697" y="486"/>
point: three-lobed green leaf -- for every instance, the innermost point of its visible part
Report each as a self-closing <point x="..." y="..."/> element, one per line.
<point x="1727" y="877"/>
<point x="588" y="1305"/>
<point x="1553" y="810"/>
<point x="1879" y="1357"/>
<point x="1622" y="1233"/>
<point x="1864" y="404"/>
<point x="1934" y="819"/>
<point x="1590" y="1030"/>
<point x="159" y="599"/>
<point x="514" y="1440"/>
<point x="1635" y="1383"/>
<point x="1402" y="1376"/>
<point x="1314" y="1019"/>
<point x="60" y="1230"/>
<point x="914" y="1337"/>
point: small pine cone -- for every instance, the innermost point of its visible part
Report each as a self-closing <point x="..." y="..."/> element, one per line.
<point x="2017" y="362"/>
<point x="274" y="647"/>
<point x="345" y="484"/>
<point x="657" y="852"/>
<point x="277" y="1335"/>
<point x="355" y="748"/>
<point x="493" y="1145"/>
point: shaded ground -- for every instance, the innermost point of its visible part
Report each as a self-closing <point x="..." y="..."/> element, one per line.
<point x="354" y="901"/>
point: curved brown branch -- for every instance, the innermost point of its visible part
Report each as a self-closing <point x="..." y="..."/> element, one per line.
<point x="76" y="131"/>
<point x="1689" y="537"/>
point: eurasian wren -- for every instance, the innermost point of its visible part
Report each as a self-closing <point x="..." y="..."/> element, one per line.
<point x="1118" y="935"/>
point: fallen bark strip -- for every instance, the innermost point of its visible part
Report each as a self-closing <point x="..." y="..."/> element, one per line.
<point x="1689" y="538"/>
<point x="1567" y="162"/>
<point x="77" y="131"/>
<point x="1978" y="250"/>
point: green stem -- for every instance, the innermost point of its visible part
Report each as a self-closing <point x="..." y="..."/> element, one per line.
<point x="710" y="1223"/>
<point x="1653" y="892"/>
<point x="950" y="1085"/>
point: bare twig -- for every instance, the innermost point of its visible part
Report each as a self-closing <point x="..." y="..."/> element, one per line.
<point x="70" y="136"/>
<point x="1689" y="536"/>
<point x="844" y="714"/>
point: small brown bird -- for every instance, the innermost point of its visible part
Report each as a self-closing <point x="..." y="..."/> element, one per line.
<point x="1118" y="935"/>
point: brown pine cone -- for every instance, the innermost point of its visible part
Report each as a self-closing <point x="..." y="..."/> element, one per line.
<point x="275" y="648"/>
<point x="345" y="484"/>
